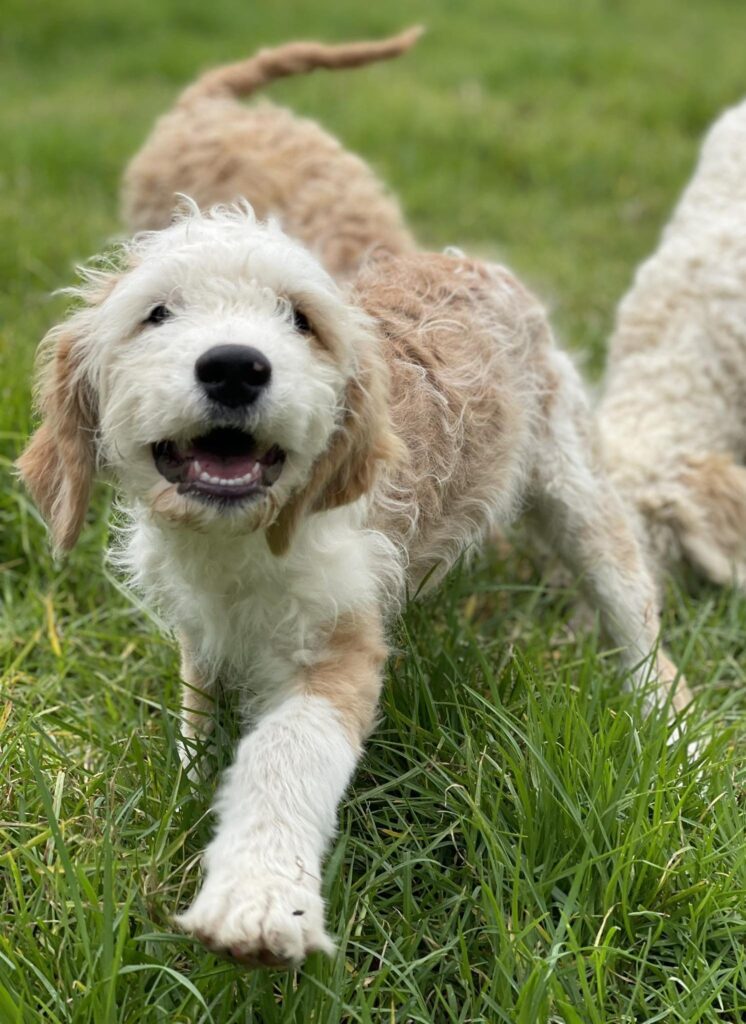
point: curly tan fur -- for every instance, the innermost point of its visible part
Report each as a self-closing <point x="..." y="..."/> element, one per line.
<point x="215" y="150"/>
<point x="494" y="420"/>
<point x="363" y="443"/>
<point x="465" y="344"/>
<point x="58" y="463"/>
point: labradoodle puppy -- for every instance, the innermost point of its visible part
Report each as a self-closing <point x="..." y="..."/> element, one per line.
<point x="673" y="413"/>
<point x="215" y="150"/>
<point x="293" y="459"/>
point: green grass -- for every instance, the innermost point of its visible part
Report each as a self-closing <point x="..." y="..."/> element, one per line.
<point x="518" y="844"/>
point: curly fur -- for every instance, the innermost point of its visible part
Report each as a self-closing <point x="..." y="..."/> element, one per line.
<point x="673" y="413"/>
<point x="427" y="404"/>
<point x="215" y="150"/>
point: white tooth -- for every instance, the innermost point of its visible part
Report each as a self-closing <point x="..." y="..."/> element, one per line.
<point x="197" y="467"/>
<point x="204" y="476"/>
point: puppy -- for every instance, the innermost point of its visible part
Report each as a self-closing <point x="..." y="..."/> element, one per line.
<point x="292" y="460"/>
<point x="215" y="150"/>
<point x="673" y="413"/>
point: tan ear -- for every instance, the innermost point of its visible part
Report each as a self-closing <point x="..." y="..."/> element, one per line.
<point x="58" y="463"/>
<point x="349" y="467"/>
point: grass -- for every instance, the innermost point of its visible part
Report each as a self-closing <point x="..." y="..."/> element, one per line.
<point x="519" y="845"/>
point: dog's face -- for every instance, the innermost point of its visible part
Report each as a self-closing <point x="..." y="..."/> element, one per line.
<point x="221" y="370"/>
<point x="221" y="379"/>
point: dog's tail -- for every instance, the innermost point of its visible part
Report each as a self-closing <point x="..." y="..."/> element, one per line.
<point x="247" y="76"/>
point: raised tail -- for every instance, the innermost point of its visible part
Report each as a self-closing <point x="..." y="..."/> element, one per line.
<point x="246" y="76"/>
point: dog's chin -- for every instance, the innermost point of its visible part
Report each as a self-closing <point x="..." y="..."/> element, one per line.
<point x="225" y="468"/>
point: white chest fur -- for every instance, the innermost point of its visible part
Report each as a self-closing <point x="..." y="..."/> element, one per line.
<point x="246" y="613"/>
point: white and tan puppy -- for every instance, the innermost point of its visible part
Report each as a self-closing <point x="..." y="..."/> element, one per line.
<point x="292" y="459"/>
<point x="673" y="413"/>
<point x="217" y="150"/>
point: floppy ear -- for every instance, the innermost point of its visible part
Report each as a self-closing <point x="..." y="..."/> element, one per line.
<point x="348" y="468"/>
<point x="58" y="463"/>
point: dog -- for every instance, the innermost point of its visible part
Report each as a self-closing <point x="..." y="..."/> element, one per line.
<point x="293" y="458"/>
<point x="216" y="150"/>
<point x="672" y="417"/>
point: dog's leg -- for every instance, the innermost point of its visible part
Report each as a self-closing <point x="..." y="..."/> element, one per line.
<point x="709" y="516"/>
<point x="197" y="706"/>
<point x="261" y="898"/>
<point x="583" y="518"/>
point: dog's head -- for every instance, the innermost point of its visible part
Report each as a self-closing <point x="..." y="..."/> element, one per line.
<point x="220" y="377"/>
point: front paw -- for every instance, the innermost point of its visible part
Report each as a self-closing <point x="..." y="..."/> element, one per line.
<point x="263" y="920"/>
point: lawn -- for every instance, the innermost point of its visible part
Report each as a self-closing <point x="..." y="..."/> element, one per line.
<point x="519" y="845"/>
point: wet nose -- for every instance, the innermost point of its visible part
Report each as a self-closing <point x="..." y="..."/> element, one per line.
<point x="233" y="375"/>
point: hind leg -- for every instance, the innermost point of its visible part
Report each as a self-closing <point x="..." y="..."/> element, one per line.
<point x="579" y="513"/>
<point x="710" y="518"/>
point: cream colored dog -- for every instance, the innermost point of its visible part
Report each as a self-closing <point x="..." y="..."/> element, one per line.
<point x="673" y="413"/>
<point x="292" y="459"/>
<point x="217" y="150"/>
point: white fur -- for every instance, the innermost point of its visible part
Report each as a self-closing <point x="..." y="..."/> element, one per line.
<point x="255" y="617"/>
<point x="276" y="814"/>
<point x="673" y="413"/>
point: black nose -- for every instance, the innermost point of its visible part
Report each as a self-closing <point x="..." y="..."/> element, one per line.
<point x="233" y="374"/>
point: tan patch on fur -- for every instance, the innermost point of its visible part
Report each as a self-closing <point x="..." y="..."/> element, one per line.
<point x="58" y="463"/>
<point x="350" y="675"/>
<point x="197" y="701"/>
<point x="719" y="489"/>
<point x="166" y="502"/>
<point x="348" y="469"/>
<point x="705" y="509"/>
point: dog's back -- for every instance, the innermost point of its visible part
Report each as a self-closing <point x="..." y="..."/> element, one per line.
<point x="216" y="150"/>
<point x="466" y="348"/>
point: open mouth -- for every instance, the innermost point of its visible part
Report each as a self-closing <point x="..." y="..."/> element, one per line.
<point x="225" y="463"/>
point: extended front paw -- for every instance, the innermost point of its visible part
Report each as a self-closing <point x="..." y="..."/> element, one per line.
<point x="261" y="920"/>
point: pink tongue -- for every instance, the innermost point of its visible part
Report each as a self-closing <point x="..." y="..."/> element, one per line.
<point x="227" y="468"/>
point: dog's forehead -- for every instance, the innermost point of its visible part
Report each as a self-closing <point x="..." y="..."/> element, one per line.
<point x="240" y="251"/>
<point x="219" y="266"/>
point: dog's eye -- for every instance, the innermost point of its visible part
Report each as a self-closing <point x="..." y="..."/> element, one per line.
<point x="157" y="315"/>
<point x="301" y="321"/>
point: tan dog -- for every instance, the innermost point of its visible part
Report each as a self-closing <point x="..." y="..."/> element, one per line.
<point x="293" y="459"/>
<point x="673" y="413"/>
<point x="215" y="150"/>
